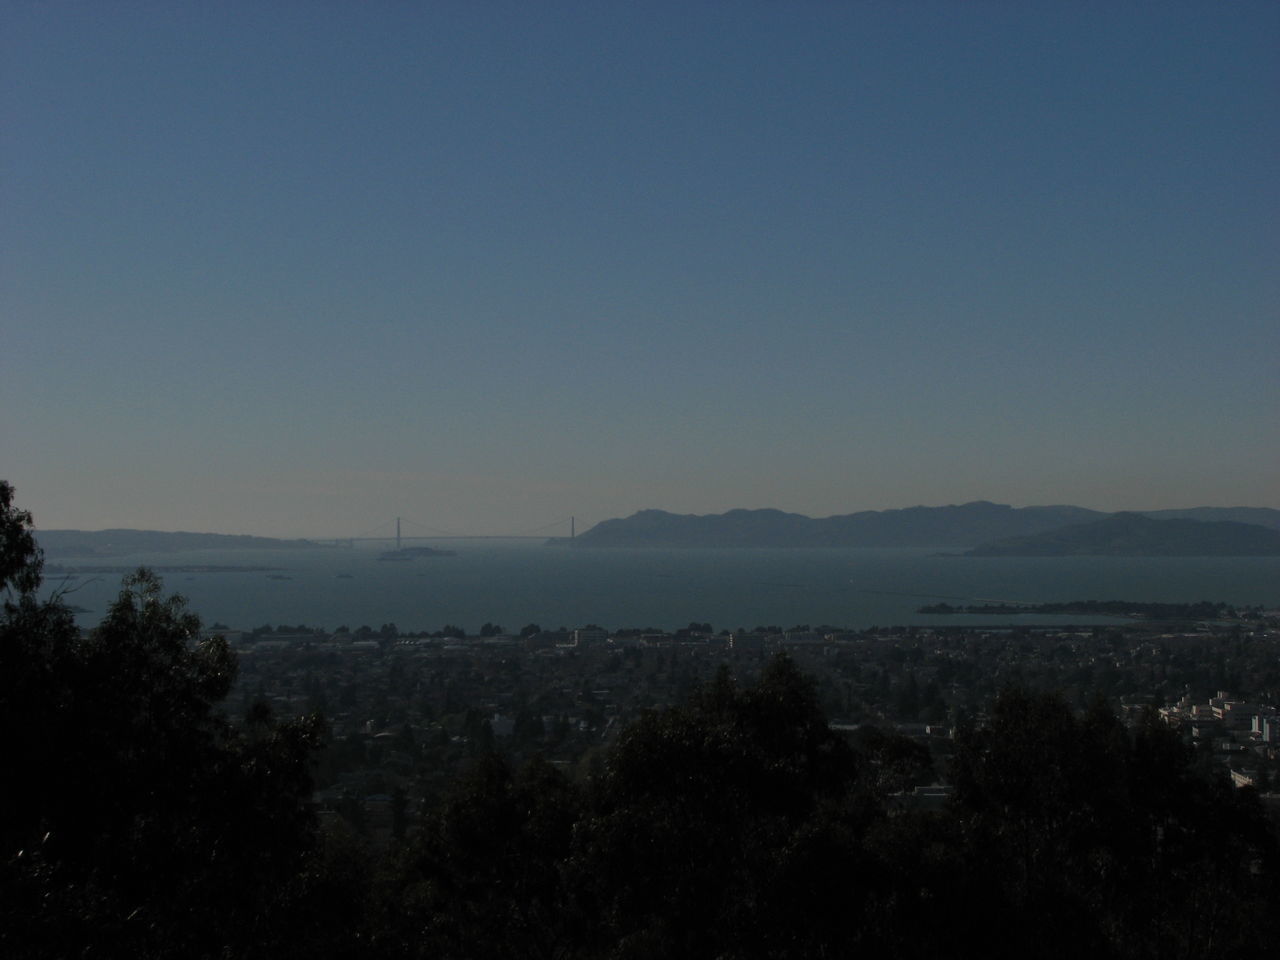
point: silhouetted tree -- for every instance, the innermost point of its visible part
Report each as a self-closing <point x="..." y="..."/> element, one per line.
<point x="146" y="824"/>
<point x="484" y="877"/>
<point x="709" y="834"/>
<point x="1087" y="838"/>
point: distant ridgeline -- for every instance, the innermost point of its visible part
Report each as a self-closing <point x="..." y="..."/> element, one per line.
<point x="111" y="543"/>
<point x="1001" y="530"/>
<point x="990" y="529"/>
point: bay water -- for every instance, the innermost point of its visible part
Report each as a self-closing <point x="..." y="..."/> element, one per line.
<point x="512" y="583"/>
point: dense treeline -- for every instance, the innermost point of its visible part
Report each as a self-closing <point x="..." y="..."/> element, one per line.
<point x="139" y="821"/>
<point x="136" y="819"/>
<point x="740" y="825"/>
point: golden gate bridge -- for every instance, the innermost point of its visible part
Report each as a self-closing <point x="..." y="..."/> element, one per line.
<point x="563" y="529"/>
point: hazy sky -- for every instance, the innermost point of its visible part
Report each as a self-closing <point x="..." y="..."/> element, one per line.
<point x="298" y="267"/>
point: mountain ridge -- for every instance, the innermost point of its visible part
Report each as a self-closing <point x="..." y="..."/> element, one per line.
<point x="955" y="525"/>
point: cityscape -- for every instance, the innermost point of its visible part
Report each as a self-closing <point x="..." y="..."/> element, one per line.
<point x="409" y="711"/>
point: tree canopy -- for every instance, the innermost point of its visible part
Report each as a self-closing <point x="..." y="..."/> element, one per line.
<point x="139" y="820"/>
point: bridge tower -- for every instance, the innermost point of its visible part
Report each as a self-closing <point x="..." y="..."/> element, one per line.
<point x="397" y="533"/>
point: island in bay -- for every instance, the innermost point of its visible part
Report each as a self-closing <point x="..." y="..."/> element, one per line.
<point x="1134" y="535"/>
<point x="1132" y="609"/>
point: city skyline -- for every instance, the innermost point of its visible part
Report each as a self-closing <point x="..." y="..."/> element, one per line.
<point x="294" y="270"/>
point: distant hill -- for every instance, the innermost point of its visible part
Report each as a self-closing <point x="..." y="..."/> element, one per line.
<point x="952" y="526"/>
<point x="114" y="543"/>
<point x="1136" y="535"/>
<point x="964" y="525"/>
<point x="1261" y="516"/>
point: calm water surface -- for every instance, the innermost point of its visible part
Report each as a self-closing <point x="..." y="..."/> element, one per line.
<point x="517" y="582"/>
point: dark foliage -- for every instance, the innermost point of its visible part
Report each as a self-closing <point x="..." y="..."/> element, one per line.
<point x="137" y="821"/>
<point x="486" y="874"/>
<point x="739" y="825"/>
<point x="1089" y="837"/>
<point x="704" y="812"/>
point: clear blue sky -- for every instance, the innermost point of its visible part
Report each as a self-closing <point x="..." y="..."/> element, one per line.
<point x="298" y="267"/>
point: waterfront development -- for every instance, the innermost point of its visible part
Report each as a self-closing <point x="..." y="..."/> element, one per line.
<point x="408" y="712"/>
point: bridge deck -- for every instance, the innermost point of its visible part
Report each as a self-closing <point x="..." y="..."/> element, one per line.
<point x="443" y="536"/>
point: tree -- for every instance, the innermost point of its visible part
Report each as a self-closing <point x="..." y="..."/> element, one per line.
<point x="717" y="827"/>
<point x="146" y="823"/>
<point x="38" y="647"/>
<point x="20" y="559"/>
<point x="485" y="874"/>
<point x="1087" y="837"/>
